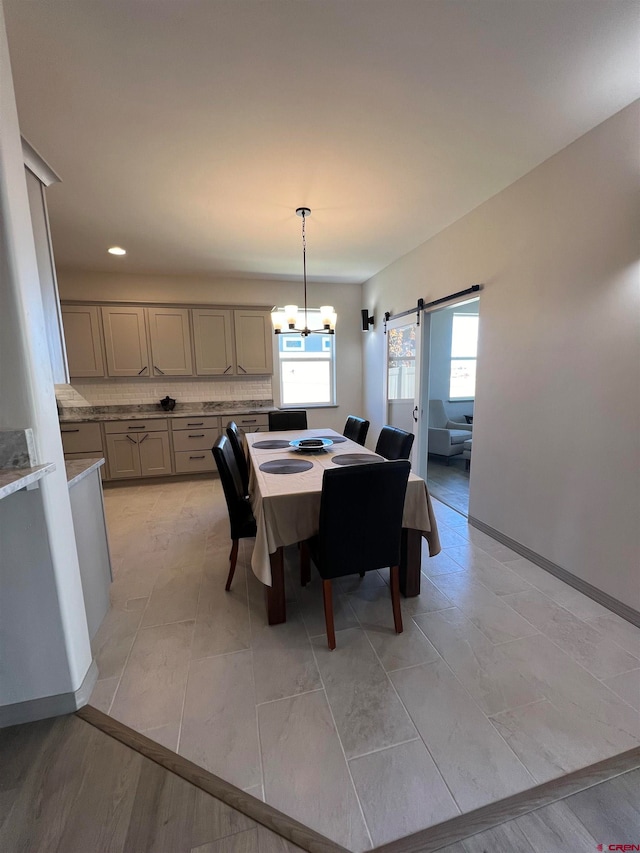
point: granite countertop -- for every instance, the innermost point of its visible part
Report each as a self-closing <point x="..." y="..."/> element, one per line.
<point x="14" y="479"/>
<point x="78" y="469"/>
<point x="18" y="468"/>
<point x="186" y="410"/>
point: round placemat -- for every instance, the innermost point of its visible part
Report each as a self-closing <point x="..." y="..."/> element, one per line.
<point x="271" y="444"/>
<point x="336" y="439"/>
<point x="286" y="466"/>
<point x="356" y="458"/>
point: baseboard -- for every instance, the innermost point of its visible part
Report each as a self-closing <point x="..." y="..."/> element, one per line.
<point x="50" y="706"/>
<point x="603" y="598"/>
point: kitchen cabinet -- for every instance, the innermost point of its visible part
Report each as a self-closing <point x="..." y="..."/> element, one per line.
<point x="213" y="341"/>
<point x="147" y="341"/>
<point x="234" y="342"/>
<point x="138" y="449"/>
<point x="38" y="176"/>
<point x="83" y="441"/>
<point x="83" y="340"/>
<point x="254" y="341"/>
<point x="170" y="341"/>
<point x="193" y="439"/>
<point x="125" y="339"/>
<point x="249" y="423"/>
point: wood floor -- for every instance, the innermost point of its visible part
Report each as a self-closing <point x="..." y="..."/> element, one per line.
<point x="449" y="483"/>
<point x="67" y="787"/>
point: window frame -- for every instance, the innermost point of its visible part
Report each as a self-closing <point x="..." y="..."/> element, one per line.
<point x="304" y="356"/>
<point x="458" y="358"/>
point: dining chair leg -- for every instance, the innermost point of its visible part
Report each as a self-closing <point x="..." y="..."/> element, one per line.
<point x="328" y="613"/>
<point x="395" y="598"/>
<point x="305" y="564"/>
<point x="233" y="556"/>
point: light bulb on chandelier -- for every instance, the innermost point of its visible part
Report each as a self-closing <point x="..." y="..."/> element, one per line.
<point x="289" y="321"/>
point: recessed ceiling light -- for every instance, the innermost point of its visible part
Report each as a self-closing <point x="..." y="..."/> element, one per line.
<point x="117" y="250"/>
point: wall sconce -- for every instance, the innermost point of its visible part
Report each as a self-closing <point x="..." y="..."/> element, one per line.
<point x="366" y="320"/>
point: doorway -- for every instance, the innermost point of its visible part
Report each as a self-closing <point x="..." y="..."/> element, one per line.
<point x="450" y="391"/>
<point x="402" y="379"/>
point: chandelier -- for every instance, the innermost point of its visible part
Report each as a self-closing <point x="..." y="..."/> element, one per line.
<point x="299" y="323"/>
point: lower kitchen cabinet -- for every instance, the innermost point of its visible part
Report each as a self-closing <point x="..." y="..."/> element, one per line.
<point x="193" y="439"/>
<point x="138" y="455"/>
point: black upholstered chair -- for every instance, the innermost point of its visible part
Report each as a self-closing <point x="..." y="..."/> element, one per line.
<point x="287" y="419"/>
<point x="233" y="434"/>
<point x="394" y="443"/>
<point x="356" y="429"/>
<point x="360" y="529"/>
<point x="241" y="520"/>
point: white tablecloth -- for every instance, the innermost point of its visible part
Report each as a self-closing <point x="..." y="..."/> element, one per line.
<point x="287" y="506"/>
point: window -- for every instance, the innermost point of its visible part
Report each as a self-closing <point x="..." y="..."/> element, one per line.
<point x="464" y="348"/>
<point x="307" y="367"/>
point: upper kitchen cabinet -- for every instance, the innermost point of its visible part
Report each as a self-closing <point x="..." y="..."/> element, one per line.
<point x="254" y="341"/>
<point x="213" y="342"/>
<point x="83" y="340"/>
<point x="147" y="341"/>
<point x="125" y="339"/>
<point x="170" y="341"/>
<point x="39" y="175"/>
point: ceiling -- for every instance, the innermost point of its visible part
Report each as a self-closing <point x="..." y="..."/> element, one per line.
<point x="188" y="131"/>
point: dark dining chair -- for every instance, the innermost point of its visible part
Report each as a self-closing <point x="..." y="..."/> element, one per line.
<point x="241" y="520"/>
<point x="360" y="529"/>
<point x="233" y="434"/>
<point x="287" y="419"/>
<point x="356" y="429"/>
<point x="394" y="443"/>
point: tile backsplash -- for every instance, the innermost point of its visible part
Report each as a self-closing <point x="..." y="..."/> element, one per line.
<point x="101" y="392"/>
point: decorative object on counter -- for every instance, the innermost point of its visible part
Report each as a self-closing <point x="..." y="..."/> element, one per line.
<point x="299" y="324"/>
<point x="168" y="403"/>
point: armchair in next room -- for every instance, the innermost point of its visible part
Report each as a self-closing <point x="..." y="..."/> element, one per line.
<point x="446" y="437"/>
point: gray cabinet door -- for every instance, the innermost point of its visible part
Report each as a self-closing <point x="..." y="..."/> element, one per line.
<point x="254" y="342"/>
<point x="82" y="337"/>
<point x="125" y="339"/>
<point x="123" y="455"/>
<point x="155" y="456"/>
<point x="170" y="339"/>
<point x="213" y="342"/>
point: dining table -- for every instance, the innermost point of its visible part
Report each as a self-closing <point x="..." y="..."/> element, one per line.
<point x="286" y="506"/>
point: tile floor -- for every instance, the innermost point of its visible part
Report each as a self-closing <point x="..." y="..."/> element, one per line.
<point x="504" y="677"/>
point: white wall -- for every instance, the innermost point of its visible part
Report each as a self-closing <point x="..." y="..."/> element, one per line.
<point x="44" y="642"/>
<point x="556" y="448"/>
<point x="174" y="289"/>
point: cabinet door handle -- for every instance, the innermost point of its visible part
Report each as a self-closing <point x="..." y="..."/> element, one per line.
<point x="197" y="457"/>
<point x="143" y="370"/>
<point x="241" y="368"/>
<point x="145" y="438"/>
<point x="227" y="370"/>
<point x="70" y="430"/>
<point x="249" y="421"/>
<point x="137" y="427"/>
<point x="161" y="372"/>
<point x="132" y="440"/>
<point x="199" y="435"/>
<point x="200" y="423"/>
